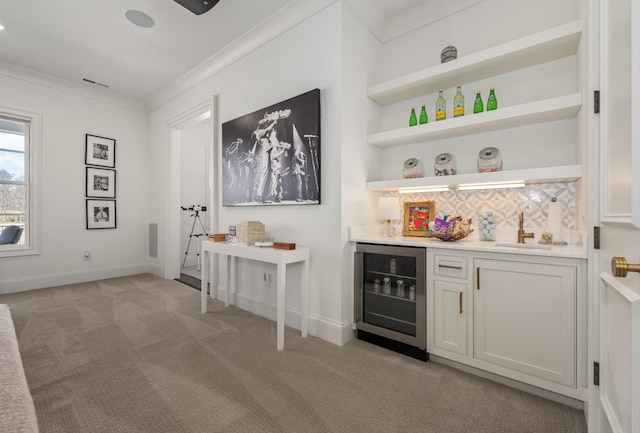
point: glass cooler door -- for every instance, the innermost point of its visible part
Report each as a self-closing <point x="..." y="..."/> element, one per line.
<point x="390" y="292"/>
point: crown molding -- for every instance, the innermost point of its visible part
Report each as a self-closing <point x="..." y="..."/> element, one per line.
<point x="40" y="79"/>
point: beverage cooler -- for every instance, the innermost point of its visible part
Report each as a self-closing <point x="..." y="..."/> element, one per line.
<point x="390" y="300"/>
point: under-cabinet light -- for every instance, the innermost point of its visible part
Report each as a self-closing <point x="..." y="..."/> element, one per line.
<point x="492" y="185"/>
<point x="439" y="188"/>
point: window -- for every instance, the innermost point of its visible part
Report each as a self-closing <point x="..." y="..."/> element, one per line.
<point x="19" y="183"/>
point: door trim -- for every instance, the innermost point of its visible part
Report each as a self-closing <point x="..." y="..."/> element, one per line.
<point x="172" y="186"/>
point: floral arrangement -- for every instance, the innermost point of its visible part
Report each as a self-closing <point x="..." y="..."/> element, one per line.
<point x="450" y="229"/>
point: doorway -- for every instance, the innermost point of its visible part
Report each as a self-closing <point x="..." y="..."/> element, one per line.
<point x="191" y="205"/>
<point x="195" y="147"/>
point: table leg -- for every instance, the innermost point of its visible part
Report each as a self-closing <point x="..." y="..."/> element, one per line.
<point x="233" y="280"/>
<point x="227" y="288"/>
<point x="305" y="298"/>
<point x="282" y="284"/>
<point x="203" y="282"/>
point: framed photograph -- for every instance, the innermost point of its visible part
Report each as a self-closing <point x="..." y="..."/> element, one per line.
<point x="272" y="156"/>
<point x="417" y="216"/>
<point x="101" y="182"/>
<point x="100" y="151"/>
<point x="101" y="214"/>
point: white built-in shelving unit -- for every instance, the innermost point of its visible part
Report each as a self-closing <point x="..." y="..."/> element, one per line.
<point x="539" y="48"/>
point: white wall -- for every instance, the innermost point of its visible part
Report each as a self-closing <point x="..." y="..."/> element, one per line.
<point x="359" y="55"/>
<point x="66" y="118"/>
<point x="300" y="59"/>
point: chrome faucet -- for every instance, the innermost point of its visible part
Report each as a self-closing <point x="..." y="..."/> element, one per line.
<point x="522" y="235"/>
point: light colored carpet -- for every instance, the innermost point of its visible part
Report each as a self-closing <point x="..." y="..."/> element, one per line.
<point x="135" y="355"/>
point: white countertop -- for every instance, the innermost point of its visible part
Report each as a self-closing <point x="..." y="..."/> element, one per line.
<point x="575" y="249"/>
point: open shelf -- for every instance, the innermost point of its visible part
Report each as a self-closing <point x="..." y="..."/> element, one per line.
<point x="565" y="173"/>
<point x="563" y="107"/>
<point x="552" y="44"/>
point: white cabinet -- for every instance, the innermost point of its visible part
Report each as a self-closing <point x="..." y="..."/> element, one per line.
<point x="450" y="289"/>
<point x="450" y="316"/>
<point x="525" y="318"/>
<point x="536" y="49"/>
<point x="514" y="316"/>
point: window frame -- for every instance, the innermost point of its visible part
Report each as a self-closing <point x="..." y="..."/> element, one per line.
<point x="33" y="173"/>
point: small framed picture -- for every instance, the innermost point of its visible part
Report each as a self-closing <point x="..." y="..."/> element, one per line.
<point x="417" y="216"/>
<point x="100" y="151"/>
<point x="101" y="182"/>
<point x="101" y="214"/>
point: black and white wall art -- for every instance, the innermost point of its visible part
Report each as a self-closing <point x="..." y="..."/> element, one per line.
<point x="101" y="214"/>
<point x="100" y="160"/>
<point x="101" y="182"/>
<point x="100" y="151"/>
<point x="272" y="156"/>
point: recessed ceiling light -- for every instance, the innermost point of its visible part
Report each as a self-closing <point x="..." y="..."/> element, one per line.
<point x="140" y="19"/>
<point x="1" y="27"/>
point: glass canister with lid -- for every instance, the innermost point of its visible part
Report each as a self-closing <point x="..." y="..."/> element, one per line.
<point x="487" y="223"/>
<point x="489" y="159"/>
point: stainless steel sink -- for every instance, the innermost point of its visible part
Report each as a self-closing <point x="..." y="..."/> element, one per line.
<point x="524" y="246"/>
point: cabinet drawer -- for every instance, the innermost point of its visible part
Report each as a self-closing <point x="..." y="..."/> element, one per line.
<point x="450" y="266"/>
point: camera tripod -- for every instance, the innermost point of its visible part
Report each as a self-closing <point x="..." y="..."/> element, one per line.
<point x="196" y="217"/>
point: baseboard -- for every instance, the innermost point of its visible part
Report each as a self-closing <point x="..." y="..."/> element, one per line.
<point x="156" y="270"/>
<point x="549" y="395"/>
<point x="34" y="282"/>
<point x="323" y="328"/>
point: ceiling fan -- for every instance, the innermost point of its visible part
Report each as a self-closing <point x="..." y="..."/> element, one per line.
<point x="198" y="7"/>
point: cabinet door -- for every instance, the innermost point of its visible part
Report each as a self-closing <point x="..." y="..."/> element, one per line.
<point x="525" y="318"/>
<point x="450" y="316"/>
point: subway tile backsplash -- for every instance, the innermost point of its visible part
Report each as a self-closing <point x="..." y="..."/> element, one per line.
<point x="533" y="200"/>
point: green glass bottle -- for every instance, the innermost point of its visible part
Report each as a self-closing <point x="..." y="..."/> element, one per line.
<point x="492" y="102"/>
<point x="458" y="103"/>
<point x="478" y="106"/>
<point x="423" y="116"/>
<point x="441" y="107"/>
<point x="413" y="120"/>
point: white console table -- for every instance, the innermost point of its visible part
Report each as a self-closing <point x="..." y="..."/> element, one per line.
<point x="264" y="254"/>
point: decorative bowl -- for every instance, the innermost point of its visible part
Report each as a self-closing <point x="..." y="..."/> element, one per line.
<point x="450" y="230"/>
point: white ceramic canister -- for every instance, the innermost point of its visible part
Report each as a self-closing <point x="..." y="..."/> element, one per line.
<point x="489" y="159"/>
<point x="444" y="165"/>
<point x="411" y="168"/>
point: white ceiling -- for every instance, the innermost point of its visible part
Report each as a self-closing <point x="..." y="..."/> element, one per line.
<point x="92" y="39"/>
<point x="391" y="8"/>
